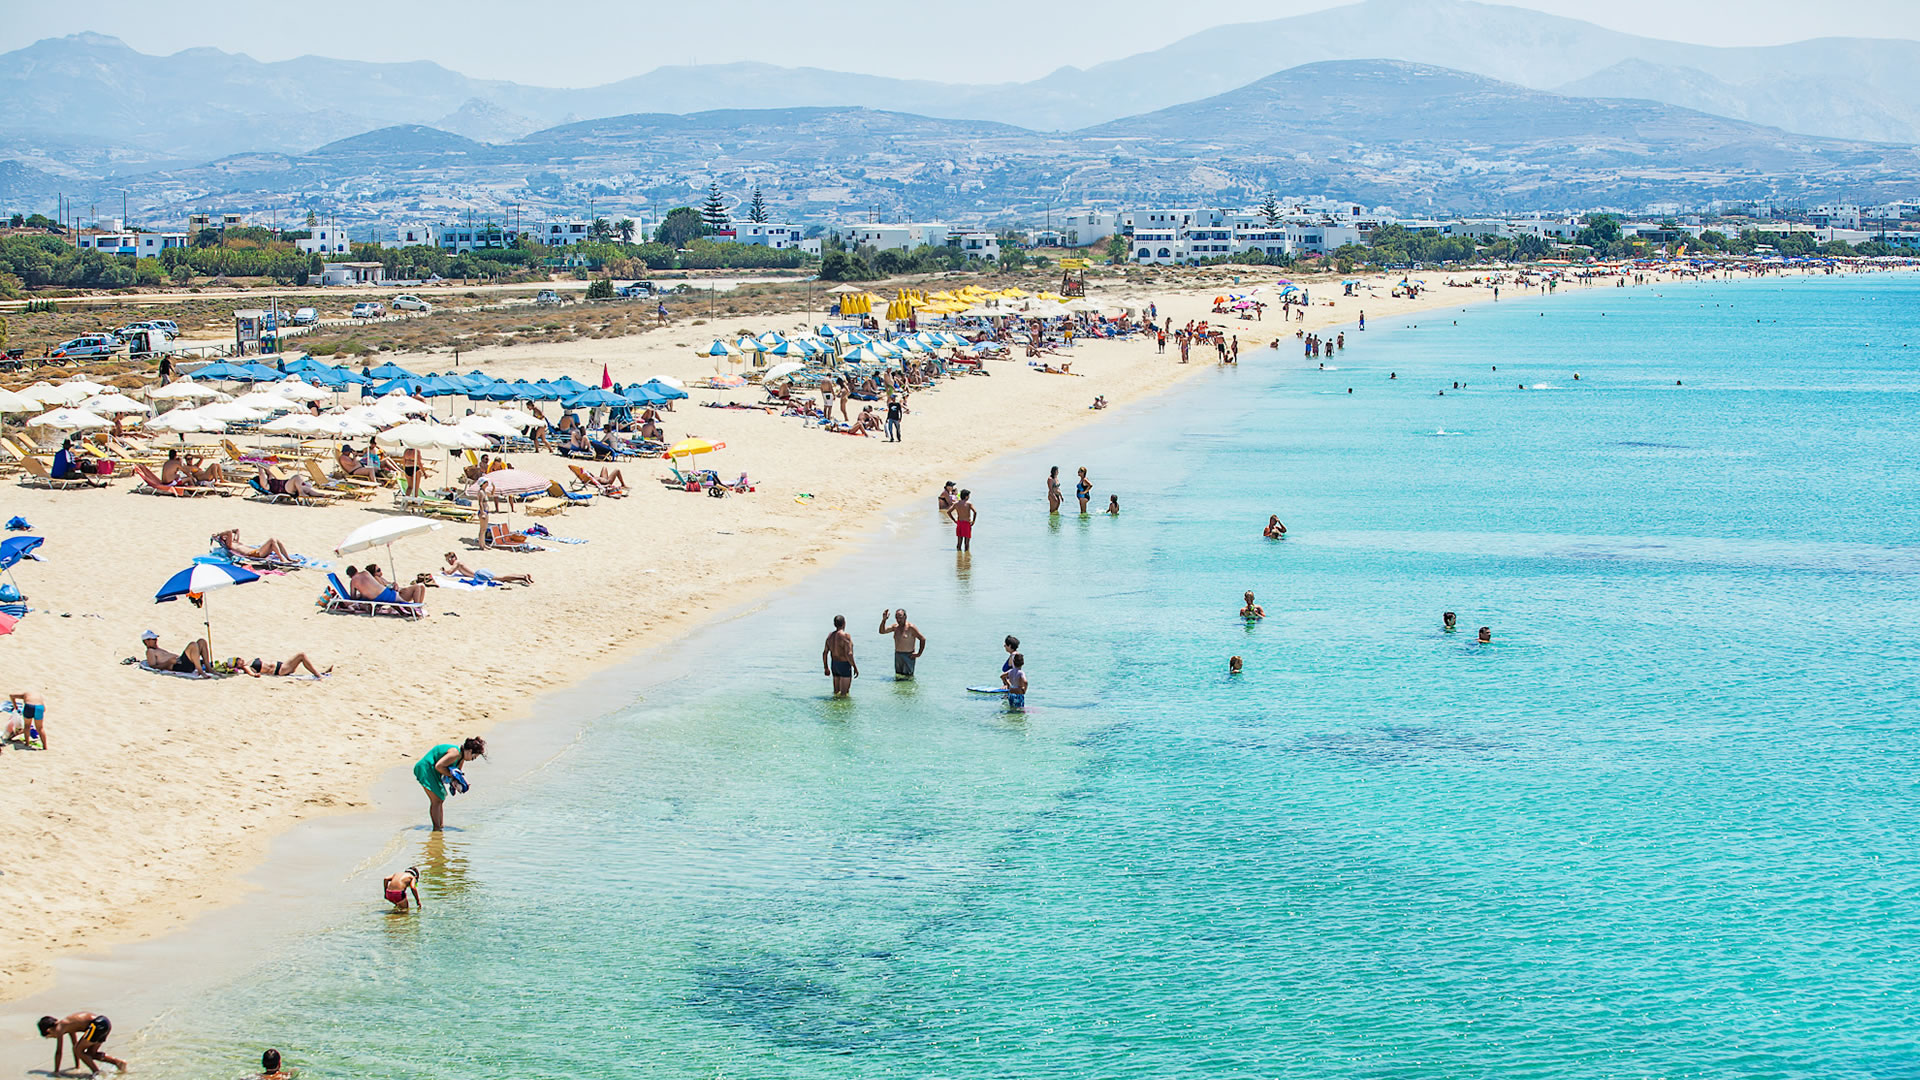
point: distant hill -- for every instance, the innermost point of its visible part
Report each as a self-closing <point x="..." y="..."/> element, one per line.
<point x="202" y="103"/>
<point x="1379" y="131"/>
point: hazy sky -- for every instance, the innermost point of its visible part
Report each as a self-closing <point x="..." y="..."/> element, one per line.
<point x="586" y="42"/>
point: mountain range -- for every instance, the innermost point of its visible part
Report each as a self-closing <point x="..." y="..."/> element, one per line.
<point x="1409" y="135"/>
<point x="90" y="94"/>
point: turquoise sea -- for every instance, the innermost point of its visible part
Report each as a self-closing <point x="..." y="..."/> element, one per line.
<point x="1662" y="827"/>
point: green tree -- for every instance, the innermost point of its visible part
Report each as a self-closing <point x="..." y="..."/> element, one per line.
<point x="1270" y="211"/>
<point x="757" y="209"/>
<point x="600" y="289"/>
<point x="681" y="225"/>
<point x="626" y="228"/>
<point x="601" y="229"/>
<point x="714" y="210"/>
<point x="1600" y="233"/>
<point x="312" y="219"/>
<point x="1117" y="248"/>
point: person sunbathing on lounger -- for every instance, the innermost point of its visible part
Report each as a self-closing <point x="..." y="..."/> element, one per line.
<point x="187" y="472"/>
<point x="268" y="549"/>
<point x="297" y="486"/>
<point x="192" y="660"/>
<point x="369" y="585"/>
<point x="258" y="667"/>
<point x="459" y="569"/>
<point x="610" y="482"/>
<point x="352" y="465"/>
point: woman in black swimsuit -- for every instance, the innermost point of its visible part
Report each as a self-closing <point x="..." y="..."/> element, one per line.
<point x="257" y="668"/>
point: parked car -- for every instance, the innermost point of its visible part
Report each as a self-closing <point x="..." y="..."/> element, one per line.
<point x="639" y="290"/>
<point x="547" y="298"/>
<point x="369" y="309"/>
<point x="172" y="328"/>
<point x="306" y="316"/>
<point x="87" y="346"/>
<point x="410" y="302"/>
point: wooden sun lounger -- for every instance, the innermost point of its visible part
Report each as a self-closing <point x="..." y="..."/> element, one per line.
<point x="38" y="476"/>
<point x="151" y="484"/>
<point x="328" y="484"/>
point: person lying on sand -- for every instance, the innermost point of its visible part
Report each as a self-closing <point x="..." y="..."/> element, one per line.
<point x="192" y="660"/>
<point x="256" y="667"/>
<point x="459" y="569"/>
<point x="229" y="542"/>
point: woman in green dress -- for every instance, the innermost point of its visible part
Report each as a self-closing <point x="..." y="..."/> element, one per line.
<point x="438" y="771"/>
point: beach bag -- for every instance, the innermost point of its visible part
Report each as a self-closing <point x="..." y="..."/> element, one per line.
<point x="9" y="594"/>
<point x="103" y="467"/>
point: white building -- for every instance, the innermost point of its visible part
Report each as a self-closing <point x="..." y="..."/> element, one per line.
<point x="905" y="236"/>
<point x="1835" y="216"/>
<point x="563" y="233"/>
<point x="462" y="238"/>
<point x="765" y="234"/>
<point x="196" y="222"/>
<point x="325" y="240"/>
<point x="352" y="273"/>
<point x="109" y="243"/>
<point x="1086" y="228"/>
<point x="152" y="244"/>
<point x="977" y="245"/>
<point x="406" y="236"/>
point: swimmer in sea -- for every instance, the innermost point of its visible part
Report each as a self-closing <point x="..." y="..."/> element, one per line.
<point x="836" y="659"/>
<point x="1274" y="530"/>
<point x="1113" y="505"/>
<point x="1233" y="665"/>
<point x="1486" y="635"/>
<point x="1447" y="621"/>
<point x="397" y="886"/>
<point x="1013" y="649"/>
<point x="1015" y="680"/>
<point x="270" y="1067"/>
<point x="1252" y="610"/>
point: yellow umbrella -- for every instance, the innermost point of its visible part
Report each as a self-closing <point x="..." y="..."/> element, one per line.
<point x="690" y="447"/>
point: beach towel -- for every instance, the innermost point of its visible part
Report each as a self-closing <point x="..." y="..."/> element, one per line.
<point x="144" y="666"/>
<point x="541" y="532"/>
<point x="18" y="524"/>
<point x="448" y="581"/>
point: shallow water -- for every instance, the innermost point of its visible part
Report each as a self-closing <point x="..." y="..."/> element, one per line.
<point x="1662" y="827"/>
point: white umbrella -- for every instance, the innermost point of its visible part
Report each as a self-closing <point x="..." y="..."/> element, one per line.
<point x="231" y="412"/>
<point x="11" y="402"/>
<point x="383" y="533"/>
<point x="489" y="425"/>
<point x="421" y="436"/>
<point x="293" y="424"/>
<point x="263" y="401"/>
<point x="114" y="405"/>
<point x="185" y="420"/>
<point x="669" y="381"/>
<point x="300" y="391"/>
<point x="519" y="421"/>
<point x="68" y="420"/>
<point x="186" y="390"/>
<point x="402" y="403"/>
<point x="781" y="371"/>
<point x="336" y="426"/>
<point x="67" y="393"/>
<point x="378" y="416"/>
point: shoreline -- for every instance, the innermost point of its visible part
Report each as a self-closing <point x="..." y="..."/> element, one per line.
<point x="181" y="898"/>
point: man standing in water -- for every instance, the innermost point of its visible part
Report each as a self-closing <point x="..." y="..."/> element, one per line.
<point x="908" y="642"/>
<point x="963" y="515"/>
<point x="836" y="660"/>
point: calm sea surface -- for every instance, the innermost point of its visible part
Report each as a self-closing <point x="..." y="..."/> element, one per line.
<point x="1663" y="827"/>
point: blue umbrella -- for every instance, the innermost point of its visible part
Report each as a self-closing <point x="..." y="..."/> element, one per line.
<point x="406" y="384"/>
<point x="17" y="548"/>
<point x="665" y="391"/>
<point x="500" y="390"/>
<point x="640" y="395"/>
<point x="595" y="397"/>
<point x="199" y="579"/>
<point x="541" y="391"/>
<point x="258" y="372"/>
<point x="391" y="370"/>
<point x="570" y="385"/>
<point x="222" y="371"/>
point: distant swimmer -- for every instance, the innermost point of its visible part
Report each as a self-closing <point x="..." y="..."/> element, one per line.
<point x="1053" y="490"/>
<point x="836" y="660"/>
<point x="1676" y="382"/>
<point x="1233" y="665"/>
<point x="270" y="1067"/>
<point x="1252" y="610"/>
<point x="1447" y="622"/>
<point x="1013" y="649"/>
<point x="1393" y="375"/>
<point x="1486" y="635"/>
<point x="1576" y="376"/>
<point x="1014" y="678"/>
<point x="909" y="644"/>
<point x="1113" y="505"/>
<point x="1349" y="389"/>
<point x="396" y="887"/>
<point x="1274" y="530"/>
<point x="1083" y="489"/>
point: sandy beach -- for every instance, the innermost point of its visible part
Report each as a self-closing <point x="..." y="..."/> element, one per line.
<point x="157" y="791"/>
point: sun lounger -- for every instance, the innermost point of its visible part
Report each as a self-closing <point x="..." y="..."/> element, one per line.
<point x="336" y="598"/>
<point x="587" y="481"/>
<point x="151" y="484"/>
<point x="260" y="491"/>
<point x="342" y="488"/>
<point x="544" y="506"/>
<point x="440" y="508"/>
<point x="38" y="476"/>
<point x="496" y="536"/>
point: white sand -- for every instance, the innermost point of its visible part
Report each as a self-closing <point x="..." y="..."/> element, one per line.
<point x="157" y="791"/>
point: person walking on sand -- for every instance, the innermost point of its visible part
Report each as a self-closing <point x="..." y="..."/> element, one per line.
<point x="396" y="887"/>
<point x="1083" y="489"/>
<point x="87" y="1031"/>
<point x="893" y="419"/>
<point x="1053" y="490"/>
<point x="909" y="644"/>
<point x="964" y="515"/>
<point x="438" y="773"/>
<point x="836" y="660"/>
